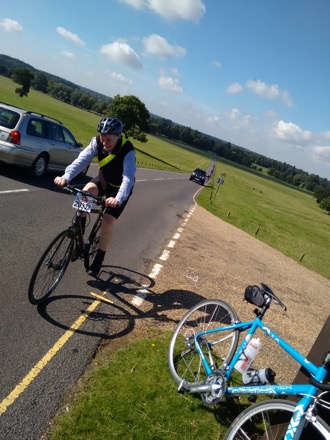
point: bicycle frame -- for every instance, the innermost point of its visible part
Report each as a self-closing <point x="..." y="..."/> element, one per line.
<point x="200" y="363"/>
<point x="79" y="236"/>
<point x="68" y="245"/>
<point x="251" y="326"/>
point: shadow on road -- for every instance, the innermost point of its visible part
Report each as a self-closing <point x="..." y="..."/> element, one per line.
<point x="117" y="292"/>
<point x="45" y="182"/>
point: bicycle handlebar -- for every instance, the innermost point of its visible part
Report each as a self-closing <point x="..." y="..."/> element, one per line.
<point x="321" y="385"/>
<point x="270" y="293"/>
<point x="74" y="191"/>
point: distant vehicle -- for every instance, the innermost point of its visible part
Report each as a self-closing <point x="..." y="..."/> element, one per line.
<point x="29" y="139"/>
<point x="198" y="176"/>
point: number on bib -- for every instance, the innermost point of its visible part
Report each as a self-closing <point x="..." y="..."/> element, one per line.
<point x="83" y="203"/>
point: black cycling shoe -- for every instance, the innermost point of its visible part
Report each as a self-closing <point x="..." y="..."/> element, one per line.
<point x="95" y="267"/>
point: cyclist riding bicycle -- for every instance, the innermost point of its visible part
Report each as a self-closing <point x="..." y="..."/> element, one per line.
<point x="115" y="180"/>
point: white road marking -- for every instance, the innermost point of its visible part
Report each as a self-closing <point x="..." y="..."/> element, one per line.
<point x="164" y="255"/>
<point x="143" y="292"/>
<point x="14" y="191"/>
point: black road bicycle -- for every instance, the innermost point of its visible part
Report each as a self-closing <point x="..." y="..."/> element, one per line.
<point x="68" y="245"/>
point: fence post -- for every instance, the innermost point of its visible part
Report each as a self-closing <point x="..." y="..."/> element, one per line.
<point x="320" y="346"/>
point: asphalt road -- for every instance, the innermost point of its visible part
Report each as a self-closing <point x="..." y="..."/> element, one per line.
<point x="45" y="349"/>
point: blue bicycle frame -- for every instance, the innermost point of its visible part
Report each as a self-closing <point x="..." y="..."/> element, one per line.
<point x="308" y="391"/>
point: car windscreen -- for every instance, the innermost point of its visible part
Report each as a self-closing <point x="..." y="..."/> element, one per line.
<point x="8" y="118"/>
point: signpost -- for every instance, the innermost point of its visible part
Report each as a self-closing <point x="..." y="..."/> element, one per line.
<point x="220" y="181"/>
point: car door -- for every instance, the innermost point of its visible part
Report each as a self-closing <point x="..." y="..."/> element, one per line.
<point x="63" y="147"/>
<point x="34" y="140"/>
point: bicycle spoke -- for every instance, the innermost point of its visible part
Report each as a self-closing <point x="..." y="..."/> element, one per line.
<point x="184" y="359"/>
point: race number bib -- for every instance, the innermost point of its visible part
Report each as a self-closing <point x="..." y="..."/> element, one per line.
<point x="83" y="203"/>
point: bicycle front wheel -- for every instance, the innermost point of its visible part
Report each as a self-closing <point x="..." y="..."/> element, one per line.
<point x="51" y="267"/>
<point x="270" y="420"/>
<point x="93" y="243"/>
<point x="219" y="347"/>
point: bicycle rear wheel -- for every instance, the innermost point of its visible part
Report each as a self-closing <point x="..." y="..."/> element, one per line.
<point x="51" y="267"/>
<point x="92" y="244"/>
<point x="270" y="420"/>
<point x="219" y="347"/>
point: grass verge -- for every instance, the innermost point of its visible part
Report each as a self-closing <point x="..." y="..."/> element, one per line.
<point x="131" y="395"/>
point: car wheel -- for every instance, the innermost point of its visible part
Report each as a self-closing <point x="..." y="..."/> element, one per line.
<point x="39" y="166"/>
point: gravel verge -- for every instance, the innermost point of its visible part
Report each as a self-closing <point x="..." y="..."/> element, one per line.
<point x="213" y="259"/>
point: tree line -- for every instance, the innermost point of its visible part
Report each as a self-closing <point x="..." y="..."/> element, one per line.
<point x="138" y="121"/>
<point x="319" y="186"/>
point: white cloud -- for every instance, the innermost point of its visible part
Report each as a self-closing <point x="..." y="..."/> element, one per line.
<point x="190" y="10"/>
<point x="326" y="135"/>
<point x="168" y="83"/>
<point x="11" y="25"/>
<point x="120" y="77"/>
<point x="68" y="54"/>
<point x="269" y="91"/>
<point x="70" y="36"/>
<point x="291" y="133"/>
<point x="217" y="64"/>
<point x="239" y="120"/>
<point x="212" y="119"/>
<point x="157" y="45"/>
<point x="234" y="88"/>
<point x="321" y="154"/>
<point x="175" y="71"/>
<point x="122" y="53"/>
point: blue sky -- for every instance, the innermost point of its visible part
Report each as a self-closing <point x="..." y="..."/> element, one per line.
<point x="255" y="73"/>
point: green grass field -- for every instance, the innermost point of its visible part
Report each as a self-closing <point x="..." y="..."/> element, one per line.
<point x="287" y="219"/>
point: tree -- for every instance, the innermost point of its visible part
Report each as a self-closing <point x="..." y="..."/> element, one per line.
<point x="325" y="204"/>
<point x="59" y="91"/>
<point x="40" y="82"/>
<point x="133" y="114"/>
<point x="321" y="193"/>
<point x="100" y="107"/>
<point x="22" y="77"/>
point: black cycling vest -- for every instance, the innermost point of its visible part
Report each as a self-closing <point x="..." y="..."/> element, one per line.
<point x="111" y="164"/>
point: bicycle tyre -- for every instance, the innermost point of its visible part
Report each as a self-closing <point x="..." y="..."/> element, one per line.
<point x="51" y="267"/>
<point x="183" y="358"/>
<point x="92" y="244"/>
<point x="270" y="419"/>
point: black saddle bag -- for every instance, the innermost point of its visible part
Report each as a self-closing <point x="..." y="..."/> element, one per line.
<point x="254" y="295"/>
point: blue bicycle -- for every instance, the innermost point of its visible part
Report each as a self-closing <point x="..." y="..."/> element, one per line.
<point x="203" y="353"/>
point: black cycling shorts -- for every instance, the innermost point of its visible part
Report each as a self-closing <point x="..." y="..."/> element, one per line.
<point x="110" y="191"/>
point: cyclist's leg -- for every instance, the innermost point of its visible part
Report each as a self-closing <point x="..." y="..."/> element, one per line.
<point x="270" y="419"/>
<point x="108" y="223"/>
<point x="93" y="188"/>
<point x="105" y="236"/>
<point x="219" y="347"/>
<point x="109" y="219"/>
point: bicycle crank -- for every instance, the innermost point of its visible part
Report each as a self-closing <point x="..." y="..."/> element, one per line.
<point x="217" y="383"/>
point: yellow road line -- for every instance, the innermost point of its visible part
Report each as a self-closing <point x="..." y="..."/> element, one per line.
<point x="102" y="298"/>
<point x="33" y="373"/>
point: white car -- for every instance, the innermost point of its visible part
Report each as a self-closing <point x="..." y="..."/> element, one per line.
<point x="41" y="143"/>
